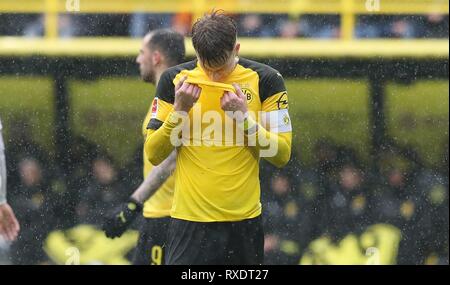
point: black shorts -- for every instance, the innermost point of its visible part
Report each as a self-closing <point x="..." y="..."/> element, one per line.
<point x="152" y="238"/>
<point x="216" y="243"/>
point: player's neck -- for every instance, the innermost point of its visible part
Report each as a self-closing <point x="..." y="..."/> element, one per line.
<point x="235" y="63"/>
<point x="233" y="66"/>
<point x="158" y="73"/>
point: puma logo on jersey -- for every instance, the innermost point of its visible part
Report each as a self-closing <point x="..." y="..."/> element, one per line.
<point x="282" y="102"/>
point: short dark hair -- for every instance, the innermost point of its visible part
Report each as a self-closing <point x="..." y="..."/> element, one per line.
<point x="214" y="37"/>
<point x="169" y="43"/>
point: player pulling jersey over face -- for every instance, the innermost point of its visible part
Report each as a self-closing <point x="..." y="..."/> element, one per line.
<point x="217" y="171"/>
<point x="218" y="179"/>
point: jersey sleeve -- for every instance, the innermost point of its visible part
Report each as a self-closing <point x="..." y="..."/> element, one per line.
<point x="275" y="104"/>
<point x="164" y="121"/>
<point x="162" y="104"/>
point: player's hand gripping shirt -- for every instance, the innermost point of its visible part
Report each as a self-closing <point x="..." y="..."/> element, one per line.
<point x="217" y="175"/>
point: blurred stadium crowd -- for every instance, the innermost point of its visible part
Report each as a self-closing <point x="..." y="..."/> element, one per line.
<point x="250" y="25"/>
<point x="334" y="212"/>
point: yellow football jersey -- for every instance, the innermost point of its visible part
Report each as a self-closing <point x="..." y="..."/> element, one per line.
<point x="217" y="176"/>
<point x="160" y="203"/>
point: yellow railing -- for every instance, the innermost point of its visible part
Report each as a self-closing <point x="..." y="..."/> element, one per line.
<point x="258" y="48"/>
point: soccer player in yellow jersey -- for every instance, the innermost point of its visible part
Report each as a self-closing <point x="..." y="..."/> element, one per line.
<point x="216" y="211"/>
<point x="160" y="50"/>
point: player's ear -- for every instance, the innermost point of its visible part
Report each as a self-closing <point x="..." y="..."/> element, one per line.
<point x="237" y="47"/>
<point x="156" y="58"/>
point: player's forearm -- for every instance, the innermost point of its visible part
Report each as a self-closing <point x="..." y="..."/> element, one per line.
<point x="283" y="155"/>
<point x="274" y="147"/>
<point x="155" y="179"/>
<point x="160" y="143"/>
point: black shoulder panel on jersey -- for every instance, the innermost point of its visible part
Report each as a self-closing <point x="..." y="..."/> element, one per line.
<point x="165" y="89"/>
<point x="270" y="80"/>
<point x="154" y="124"/>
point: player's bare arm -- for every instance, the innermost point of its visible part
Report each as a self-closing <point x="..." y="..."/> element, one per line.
<point x="155" y="179"/>
<point x="120" y="218"/>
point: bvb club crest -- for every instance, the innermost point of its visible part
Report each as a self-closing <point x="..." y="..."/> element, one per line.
<point x="248" y="94"/>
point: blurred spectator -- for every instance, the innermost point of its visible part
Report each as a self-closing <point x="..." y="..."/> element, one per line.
<point x="98" y="25"/>
<point x="81" y="154"/>
<point x="33" y="205"/>
<point x="103" y="192"/>
<point x="287" y="211"/>
<point x="289" y="29"/>
<point x="311" y="196"/>
<point x="345" y="208"/>
<point x="286" y="222"/>
<point x="435" y="218"/>
<point x="35" y="28"/>
<point x="182" y="23"/>
<point x="250" y="25"/>
<point x="402" y="28"/>
<point x="368" y="26"/>
<point x="142" y="23"/>
<point x="131" y="173"/>
<point x="271" y="24"/>
<point x="15" y="24"/>
<point x="320" y="26"/>
<point x="326" y="157"/>
<point x="399" y="202"/>
<point x="20" y="145"/>
<point x="69" y="185"/>
<point x="346" y="232"/>
<point x="434" y="185"/>
<point x="383" y="26"/>
<point x="433" y="26"/>
<point x="415" y="26"/>
<point x="66" y="27"/>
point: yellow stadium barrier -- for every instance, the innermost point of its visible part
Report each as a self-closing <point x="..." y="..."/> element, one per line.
<point x="276" y="48"/>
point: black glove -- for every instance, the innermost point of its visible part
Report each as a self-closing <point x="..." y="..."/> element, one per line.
<point x="119" y="219"/>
